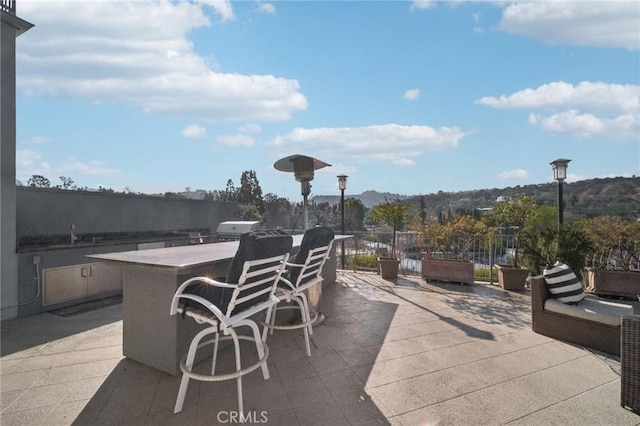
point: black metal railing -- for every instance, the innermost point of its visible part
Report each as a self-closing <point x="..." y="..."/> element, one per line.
<point x="8" y="6"/>
<point x="362" y="251"/>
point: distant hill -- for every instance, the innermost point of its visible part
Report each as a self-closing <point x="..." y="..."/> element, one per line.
<point x="368" y="198"/>
<point x="617" y="196"/>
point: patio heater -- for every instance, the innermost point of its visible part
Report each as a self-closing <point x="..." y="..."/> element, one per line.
<point x="560" y="174"/>
<point x="302" y="168"/>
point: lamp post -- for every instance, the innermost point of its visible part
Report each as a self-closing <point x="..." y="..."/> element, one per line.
<point x="559" y="167"/>
<point x="342" y="184"/>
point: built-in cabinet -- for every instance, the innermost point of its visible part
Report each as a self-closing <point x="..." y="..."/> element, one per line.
<point x="69" y="283"/>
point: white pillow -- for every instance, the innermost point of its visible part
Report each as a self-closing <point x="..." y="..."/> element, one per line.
<point x="563" y="284"/>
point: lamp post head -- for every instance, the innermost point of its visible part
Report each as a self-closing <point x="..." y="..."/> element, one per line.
<point x="342" y="182"/>
<point x="559" y="167"/>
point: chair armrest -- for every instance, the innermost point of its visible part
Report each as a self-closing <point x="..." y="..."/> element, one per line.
<point x="539" y="293"/>
<point x="287" y="282"/>
<point x="179" y="294"/>
<point x="210" y="306"/>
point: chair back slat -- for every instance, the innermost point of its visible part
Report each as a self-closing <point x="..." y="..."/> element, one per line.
<point x="313" y="238"/>
<point x="313" y="264"/>
<point x="257" y="282"/>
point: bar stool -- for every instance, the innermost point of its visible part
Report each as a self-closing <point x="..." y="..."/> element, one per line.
<point x="302" y="273"/>
<point x="225" y="306"/>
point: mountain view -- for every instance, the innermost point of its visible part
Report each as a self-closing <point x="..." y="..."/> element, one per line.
<point x="617" y="196"/>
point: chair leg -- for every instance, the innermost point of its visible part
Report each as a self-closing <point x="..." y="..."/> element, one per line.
<point x="307" y="312"/>
<point x="273" y="318"/>
<point x="215" y="355"/>
<point x="259" y="348"/>
<point x="236" y="347"/>
<point x="184" y="383"/>
<point x="267" y="320"/>
<point x="304" y="317"/>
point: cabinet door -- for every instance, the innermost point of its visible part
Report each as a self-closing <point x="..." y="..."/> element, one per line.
<point x="104" y="278"/>
<point x="63" y="284"/>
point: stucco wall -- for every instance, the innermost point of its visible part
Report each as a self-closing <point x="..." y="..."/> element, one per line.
<point x="8" y="268"/>
<point x="131" y="218"/>
<point x="53" y="211"/>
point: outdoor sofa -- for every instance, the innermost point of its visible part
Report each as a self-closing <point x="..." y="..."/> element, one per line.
<point x="592" y="323"/>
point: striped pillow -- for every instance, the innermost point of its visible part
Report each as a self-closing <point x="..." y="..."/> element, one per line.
<point x="563" y="283"/>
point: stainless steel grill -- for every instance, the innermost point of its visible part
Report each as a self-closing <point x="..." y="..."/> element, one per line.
<point x="231" y="230"/>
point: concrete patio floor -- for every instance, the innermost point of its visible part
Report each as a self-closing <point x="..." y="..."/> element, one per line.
<point x="401" y="353"/>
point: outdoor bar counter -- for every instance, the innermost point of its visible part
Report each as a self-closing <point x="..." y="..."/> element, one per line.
<point x="149" y="279"/>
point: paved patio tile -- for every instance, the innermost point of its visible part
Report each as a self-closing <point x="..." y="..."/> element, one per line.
<point x="391" y="353"/>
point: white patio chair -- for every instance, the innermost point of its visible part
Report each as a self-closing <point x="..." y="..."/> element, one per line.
<point x="225" y="307"/>
<point x="302" y="273"/>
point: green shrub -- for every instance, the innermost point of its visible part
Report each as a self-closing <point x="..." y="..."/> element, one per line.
<point x="362" y="261"/>
<point x="483" y="274"/>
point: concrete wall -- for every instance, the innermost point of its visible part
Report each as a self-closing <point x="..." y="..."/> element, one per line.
<point x="131" y="218"/>
<point x="53" y="211"/>
<point x="10" y="27"/>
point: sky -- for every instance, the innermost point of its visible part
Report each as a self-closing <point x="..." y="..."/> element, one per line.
<point x="407" y="97"/>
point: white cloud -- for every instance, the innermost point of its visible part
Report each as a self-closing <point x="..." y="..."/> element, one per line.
<point x="194" y="131"/>
<point x="598" y="96"/>
<point x="29" y="163"/>
<point x="624" y="127"/>
<point x="138" y="53"/>
<point x="267" y="8"/>
<point x="586" y="110"/>
<point x="387" y="142"/>
<point x="74" y="166"/>
<point x="582" y="23"/>
<point x="222" y="7"/>
<point x="514" y="174"/>
<point x="412" y="94"/>
<point x="39" y="139"/>
<point x="235" y="140"/>
<point x="404" y="162"/>
<point x="422" y="4"/>
<point x="250" y="128"/>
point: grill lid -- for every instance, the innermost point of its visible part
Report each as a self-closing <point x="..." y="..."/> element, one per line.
<point x="233" y="229"/>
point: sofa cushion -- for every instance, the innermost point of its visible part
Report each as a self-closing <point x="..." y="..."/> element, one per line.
<point x="592" y="310"/>
<point x="563" y="284"/>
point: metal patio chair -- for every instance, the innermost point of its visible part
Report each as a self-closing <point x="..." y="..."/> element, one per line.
<point x="302" y="273"/>
<point x="226" y="306"/>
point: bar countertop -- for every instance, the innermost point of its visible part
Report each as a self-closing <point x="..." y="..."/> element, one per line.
<point x="183" y="257"/>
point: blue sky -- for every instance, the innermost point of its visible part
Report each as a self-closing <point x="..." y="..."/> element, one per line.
<point x="409" y="97"/>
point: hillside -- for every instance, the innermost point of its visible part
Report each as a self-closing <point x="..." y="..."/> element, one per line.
<point x="586" y="198"/>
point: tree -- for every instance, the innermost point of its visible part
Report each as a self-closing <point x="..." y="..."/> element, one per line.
<point x="393" y="213"/>
<point x="354" y="213"/>
<point x="541" y="245"/>
<point x="250" y="194"/>
<point x="514" y="214"/>
<point x="277" y="211"/>
<point x="250" y="212"/>
<point x="616" y="242"/>
<point x="39" y="181"/>
<point x="230" y="193"/>
<point x="67" y="183"/>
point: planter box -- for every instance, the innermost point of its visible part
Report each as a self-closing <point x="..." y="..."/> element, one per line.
<point x="458" y="271"/>
<point x="613" y="283"/>
<point x="388" y="268"/>
<point x="512" y="278"/>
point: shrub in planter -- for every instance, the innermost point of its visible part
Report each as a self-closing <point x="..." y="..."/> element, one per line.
<point x="614" y="260"/>
<point x="394" y="214"/>
<point x="447" y="245"/>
